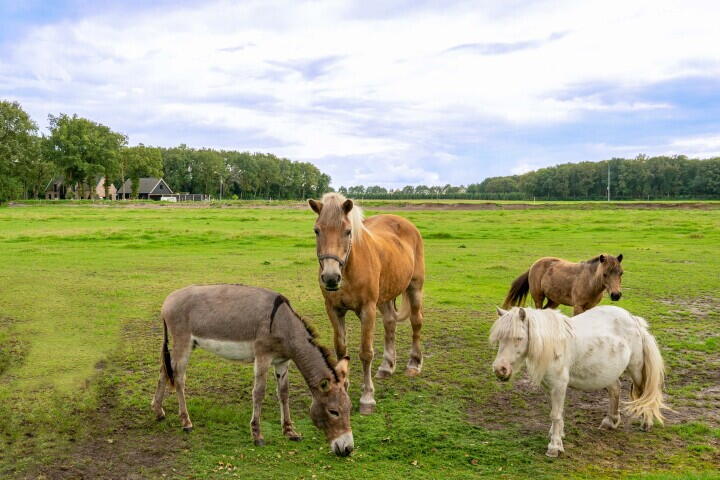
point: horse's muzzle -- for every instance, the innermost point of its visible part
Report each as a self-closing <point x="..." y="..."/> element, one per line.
<point x="615" y="296"/>
<point x="331" y="282"/>
<point x="503" y="374"/>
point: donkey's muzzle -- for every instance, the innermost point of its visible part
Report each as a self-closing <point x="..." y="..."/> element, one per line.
<point x="615" y="296"/>
<point x="343" y="445"/>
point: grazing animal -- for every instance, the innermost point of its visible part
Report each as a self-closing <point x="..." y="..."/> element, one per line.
<point x="247" y="323"/>
<point x="365" y="265"/>
<point x="589" y="352"/>
<point x="579" y="285"/>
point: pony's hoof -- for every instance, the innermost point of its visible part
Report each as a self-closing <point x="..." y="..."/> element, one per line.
<point x="367" y="408"/>
<point x="160" y="417"/>
<point x="412" y="371"/>
<point x="294" y="437"/>
<point x="553" y="452"/>
<point x="259" y="442"/>
<point x="383" y="374"/>
<point x="608" y="424"/>
<point x="187" y="429"/>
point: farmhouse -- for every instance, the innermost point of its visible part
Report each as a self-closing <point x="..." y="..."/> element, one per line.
<point x="150" y="188"/>
<point x="57" y="189"/>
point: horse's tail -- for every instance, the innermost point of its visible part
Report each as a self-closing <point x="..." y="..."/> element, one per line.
<point x="518" y="291"/>
<point x="404" y="312"/>
<point x="647" y="398"/>
<point x="166" y="360"/>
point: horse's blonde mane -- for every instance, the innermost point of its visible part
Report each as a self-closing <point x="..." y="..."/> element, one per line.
<point x="548" y="334"/>
<point x="334" y="202"/>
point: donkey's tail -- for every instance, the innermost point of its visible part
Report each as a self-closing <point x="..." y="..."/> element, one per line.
<point x="167" y="361"/>
<point x="404" y="312"/>
<point x="647" y="398"/>
<point x="518" y="291"/>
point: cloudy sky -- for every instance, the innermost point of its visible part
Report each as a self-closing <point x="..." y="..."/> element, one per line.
<point x="387" y="92"/>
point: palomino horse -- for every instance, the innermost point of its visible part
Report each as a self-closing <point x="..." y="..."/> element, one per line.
<point x="579" y="285"/>
<point x="247" y="323"/>
<point x="366" y="264"/>
<point x="589" y="352"/>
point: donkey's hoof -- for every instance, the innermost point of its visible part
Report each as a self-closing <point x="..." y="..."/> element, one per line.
<point x="367" y="408"/>
<point x="295" y="437"/>
<point x="160" y="417"/>
<point x="259" y="442"/>
<point x="412" y="371"/>
<point x="187" y="429"/>
<point x="383" y="374"/>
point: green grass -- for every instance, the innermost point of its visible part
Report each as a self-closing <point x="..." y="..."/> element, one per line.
<point x="81" y="286"/>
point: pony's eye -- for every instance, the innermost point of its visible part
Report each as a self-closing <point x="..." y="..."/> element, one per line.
<point x="334" y="413"/>
<point x="621" y="274"/>
<point x="317" y="231"/>
<point x="348" y="232"/>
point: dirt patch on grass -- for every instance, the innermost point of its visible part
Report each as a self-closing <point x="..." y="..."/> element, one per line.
<point x="702" y="306"/>
<point x="12" y="350"/>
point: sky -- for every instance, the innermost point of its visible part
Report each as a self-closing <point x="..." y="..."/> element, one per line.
<point x="383" y="93"/>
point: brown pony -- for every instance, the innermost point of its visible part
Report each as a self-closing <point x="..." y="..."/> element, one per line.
<point x="579" y="285"/>
<point x="365" y="265"/>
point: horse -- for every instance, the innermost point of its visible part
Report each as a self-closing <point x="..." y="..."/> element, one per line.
<point x="588" y="352"/>
<point x="579" y="285"/>
<point x="364" y="265"/>
<point x="245" y="323"/>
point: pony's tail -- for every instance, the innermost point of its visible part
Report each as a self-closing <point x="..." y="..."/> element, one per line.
<point x="647" y="398"/>
<point x="404" y="312"/>
<point x="518" y="291"/>
<point x="167" y="361"/>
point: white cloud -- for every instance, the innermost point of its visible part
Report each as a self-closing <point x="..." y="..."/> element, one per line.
<point x="323" y="81"/>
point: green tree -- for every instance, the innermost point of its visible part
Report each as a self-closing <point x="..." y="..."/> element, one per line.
<point x="137" y="162"/>
<point x="18" y="149"/>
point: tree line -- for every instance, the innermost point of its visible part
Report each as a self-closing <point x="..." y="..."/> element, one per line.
<point x="82" y="151"/>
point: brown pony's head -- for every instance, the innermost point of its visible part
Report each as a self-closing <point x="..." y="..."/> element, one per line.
<point x="330" y="410"/>
<point x="611" y="272"/>
<point x="339" y="223"/>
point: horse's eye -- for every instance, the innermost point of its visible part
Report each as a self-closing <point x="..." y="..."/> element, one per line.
<point x="621" y="273"/>
<point x="334" y="413"/>
<point x="317" y="231"/>
<point x="348" y="232"/>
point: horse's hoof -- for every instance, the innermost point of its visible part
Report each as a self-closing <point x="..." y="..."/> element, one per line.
<point x="187" y="429"/>
<point x="383" y="374"/>
<point x="367" y="408"/>
<point x="412" y="371"/>
<point x="259" y="442"/>
<point x="553" y="452"/>
<point x="294" y="437"/>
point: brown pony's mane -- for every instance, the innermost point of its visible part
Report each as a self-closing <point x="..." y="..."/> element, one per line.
<point x="332" y="203"/>
<point x="594" y="259"/>
<point x="311" y="331"/>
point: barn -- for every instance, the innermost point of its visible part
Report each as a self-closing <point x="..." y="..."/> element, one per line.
<point x="150" y="188"/>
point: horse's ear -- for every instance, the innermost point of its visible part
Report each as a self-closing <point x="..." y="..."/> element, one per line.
<point x="347" y="206"/>
<point x="523" y="314"/>
<point x="602" y="258"/>
<point x="341" y="368"/>
<point x="315" y="205"/>
<point x="619" y="257"/>
<point x="500" y="311"/>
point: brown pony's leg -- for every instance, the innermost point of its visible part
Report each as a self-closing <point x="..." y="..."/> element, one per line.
<point x="550" y="304"/>
<point x="283" y="392"/>
<point x="387" y="367"/>
<point x="180" y="356"/>
<point x="337" y="319"/>
<point x="538" y="298"/>
<point x="367" y="322"/>
<point x="262" y="364"/>
<point x="415" y="296"/>
<point x="160" y="394"/>
<point x="578" y="309"/>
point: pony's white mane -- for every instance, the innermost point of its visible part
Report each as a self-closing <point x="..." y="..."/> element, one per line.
<point x="356" y="216"/>
<point x="548" y="333"/>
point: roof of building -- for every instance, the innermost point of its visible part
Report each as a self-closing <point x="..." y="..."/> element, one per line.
<point x="148" y="185"/>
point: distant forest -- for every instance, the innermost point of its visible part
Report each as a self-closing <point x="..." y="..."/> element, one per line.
<point x="648" y="178"/>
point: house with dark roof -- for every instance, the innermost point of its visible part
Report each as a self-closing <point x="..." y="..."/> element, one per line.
<point x="150" y="188"/>
<point x="58" y="189"/>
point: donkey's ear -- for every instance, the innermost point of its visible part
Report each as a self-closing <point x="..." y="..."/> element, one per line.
<point x="523" y="314"/>
<point x="315" y="205"/>
<point x="602" y="258"/>
<point x="341" y="368"/>
<point x="325" y="385"/>
<point x="619" y="257"/>
<point x="500" y="311"/>
<point x="347" y="206"/>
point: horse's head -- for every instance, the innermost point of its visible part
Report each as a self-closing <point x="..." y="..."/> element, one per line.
<point x="510" y="334"/>
<point x="612" y="273"/>
<point x="330" y="410"/>
<point x="333" y="233"/>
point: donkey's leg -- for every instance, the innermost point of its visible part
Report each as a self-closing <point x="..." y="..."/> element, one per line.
<point x="283" y="392"/>
<point x="367" y="322"/>
<point x="415" y="296"/>
<point x="337" y="320"/>
<point x="180" y="357"/>
<point x="160" y="394"/>
<point x="262" y="364"/>
<point x="557" y="430"/>
<point x="612" y="419"/>
<point x="387" y="367"/>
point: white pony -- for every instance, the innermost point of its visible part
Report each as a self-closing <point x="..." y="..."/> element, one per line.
<point x="589" y="352"/>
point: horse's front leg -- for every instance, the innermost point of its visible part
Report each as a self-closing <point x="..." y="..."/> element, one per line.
<point x="337" y="320"/>
<point x="612" y="419"/>
<point x="387" y="367"/>
<point x="367" y="321"/>
<point x="557" y="429"/>
<point x="262" y="364"/>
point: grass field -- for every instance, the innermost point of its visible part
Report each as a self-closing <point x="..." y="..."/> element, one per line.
<point x="81" y="287"/>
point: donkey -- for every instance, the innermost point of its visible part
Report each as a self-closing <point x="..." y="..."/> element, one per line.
<point x="579" y="285"/>
<point x="366" y="264"/>
<point x="589" y="352"/>
<point x="247" y="323"/>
